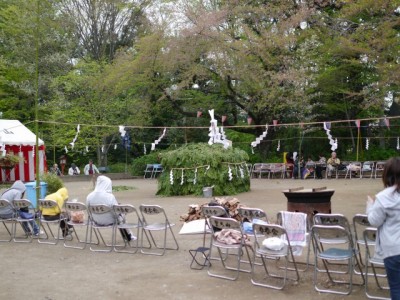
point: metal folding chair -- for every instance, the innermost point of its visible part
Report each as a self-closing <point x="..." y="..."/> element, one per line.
<point x="272" y="276"/>
<point x="148" y="171"/>
<point x="379" y="166"/>
<point x="132" y="222"/>
<point x="20" y="204"/>
<point x="367" y="166"/>
<point x="377" y="266"/>
<point x="105" y="242"/>
<point x="333" y="243"/>
<point x="51" y="234"/>
<point x="78" y="228"/>
<point x="5" y="204"/>
<point x="360" y="223"/>
<point x="218" y="225"/>
<point x="297" y="230"/>
<point x="157" y="226"/>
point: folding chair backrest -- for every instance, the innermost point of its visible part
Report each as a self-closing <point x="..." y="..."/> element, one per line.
<point x="4" y="203"/>
<point x="360" y="222"/>
<point x="224" y="223"/>
<point x="252" y="213"/>
<point x="75" y="206"/>
<point x="295" y="224"/>
<point x="124" y="209"/>
<point x="328" y="234"/>
<point x="216" y="211"/>
<point x="268" y="230"/>
<point x="47" y="203"/>
<point x="151" y="209"/>
<point x="331" y="220"/>
<point x="99" y="209"/>
<point x="22" y="203"/>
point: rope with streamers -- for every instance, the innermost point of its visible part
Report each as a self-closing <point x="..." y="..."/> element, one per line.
<point x="78" y="129"/>
<point x="230" y="173"/>
<point x="214" y="134"/>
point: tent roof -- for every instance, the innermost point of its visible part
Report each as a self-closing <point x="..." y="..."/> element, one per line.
<point x="13" y="132"/>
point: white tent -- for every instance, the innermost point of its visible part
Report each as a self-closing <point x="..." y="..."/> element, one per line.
<point x="17" y="139"/>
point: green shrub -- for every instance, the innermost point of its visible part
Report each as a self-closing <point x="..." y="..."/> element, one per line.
<point x="54" y="183"/>
<point x="195" y="166"/>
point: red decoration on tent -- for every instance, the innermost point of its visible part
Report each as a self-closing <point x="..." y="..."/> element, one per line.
<point x="358" y="123"/>
<point x="223" y="119"/>
<point x="199" y="113"/>
<point x="249" y="120"/>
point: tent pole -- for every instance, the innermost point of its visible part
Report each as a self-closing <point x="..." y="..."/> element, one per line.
<point x="36" y="102"/>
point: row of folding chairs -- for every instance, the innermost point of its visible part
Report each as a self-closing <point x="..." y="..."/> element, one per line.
<point x="341" y="251"/>
<point x="349" y="169"/>
<point x="147" y="229"/>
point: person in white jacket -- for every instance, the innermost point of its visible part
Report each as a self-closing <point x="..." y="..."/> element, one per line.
<point x="384" y="213"/>
<point x="102" y="194"/>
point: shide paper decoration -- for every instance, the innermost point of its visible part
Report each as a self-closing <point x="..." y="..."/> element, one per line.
<point x="215" y="135"/>
<point x="78" y="129"/>
<point x="260" y="138"/>
<point x="153" y="145"/>
<point x="332" y="142"/>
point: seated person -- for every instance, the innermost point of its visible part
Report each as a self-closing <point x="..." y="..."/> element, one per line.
<point x="332" y="163"/>
<point x="309" y="168"/>
<point x="321" y="165"/>
<point x="51" y="214"/>
<point x="56" y="170"/>
<point x="102" y="194"/>
<point x="17" y="191"/>
<point x="298" y="165"/>
<point x="73" y="170"/>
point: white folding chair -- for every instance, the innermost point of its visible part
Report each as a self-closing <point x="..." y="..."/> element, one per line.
<point x="354" y="168"/>
<point x="381" y="290"/>
<point x="21" y="204"/>
<point x="333" y="243"/>
<point x="51" y="228"/>
<point x="148" y="171"/>
<point x="360" y="223"/>
<point x="79" y="228"/>
<point x="7" y="205"/>
<point x="105" y="242"/>
<point x="220" y="228"/>
<point x="157" y="169"/>
<point x="157" y="226"/>
<point x="272" y="276"/>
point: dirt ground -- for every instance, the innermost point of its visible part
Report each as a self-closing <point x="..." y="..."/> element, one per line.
<point x="37" y="271"/>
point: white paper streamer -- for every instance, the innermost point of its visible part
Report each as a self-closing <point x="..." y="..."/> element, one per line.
<point x="398" y="144"/>
<point x="121" y="129"/>
<point x="332" y="142"/>
<point x="195" y="176"/>
<point x="241" y="172"/>
<point x="78" y="129"/>
<point x="65" y="148"/>
<point x="87" y="149"/>
<point x="153" y="145"/>
<point x="279" y="146"/>
<point x="367" y="143"/>
<point x="230" y="173"/>
<point x="260" y="138"/>
<point x="214" y="134"/>
<point x="171" y="177"/>
<point x="102" y="148"/>
<point x="182" y="180"/>
<point x="115" y="146"/>
<point x="144" y="149"/>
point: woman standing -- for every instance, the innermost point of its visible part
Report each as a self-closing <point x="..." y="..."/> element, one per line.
<point x="384" y="213"/>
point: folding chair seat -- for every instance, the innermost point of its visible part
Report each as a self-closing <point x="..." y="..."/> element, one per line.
<point x="381" y="290"/>
<point x="132" y="222"/>
<point x="5" y="204"/>
<point x="156" y="225"/>
<point x="79" y="227"/>
<point x="333" y="243"/>
<point x="272" y="245"/>
<point x="18" y="205"/>
<point x="227" y="234"/>
<point x="51" y="228"/>
<point x="296" y="226"/>
<point x="105" y="242"/>
<point x="354" y="168"/>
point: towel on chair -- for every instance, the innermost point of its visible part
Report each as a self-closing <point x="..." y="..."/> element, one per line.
<point x="295" y="224"/>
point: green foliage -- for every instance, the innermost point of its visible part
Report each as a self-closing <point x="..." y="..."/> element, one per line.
<point x="189" y="168"/>
<point x="54" y="182"/>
